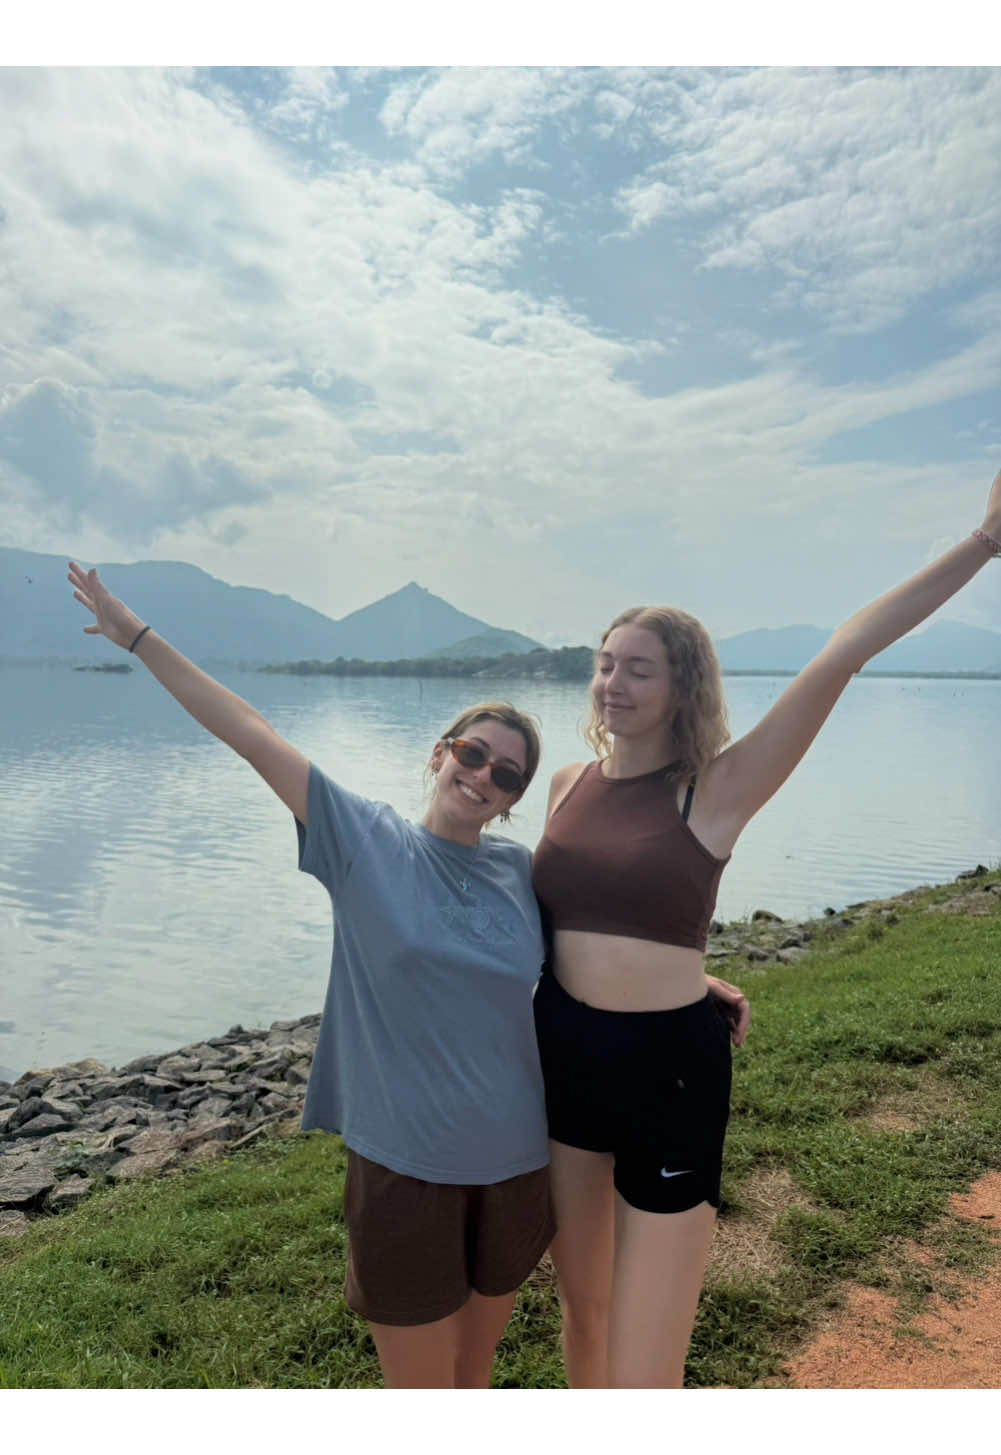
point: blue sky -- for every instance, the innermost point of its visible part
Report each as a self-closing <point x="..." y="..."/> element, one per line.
<point x="550" y="340"/>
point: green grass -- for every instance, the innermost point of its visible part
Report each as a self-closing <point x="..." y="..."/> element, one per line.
<point x="231" y="1274"/>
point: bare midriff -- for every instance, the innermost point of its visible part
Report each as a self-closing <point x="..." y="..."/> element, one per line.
<point x="614" y="972"/>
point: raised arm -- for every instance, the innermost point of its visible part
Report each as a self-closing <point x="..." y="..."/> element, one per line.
<point x="226" y="715"/>
<point x="744" y="777"/>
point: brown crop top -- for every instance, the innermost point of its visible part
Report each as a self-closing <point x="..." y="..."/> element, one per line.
<point x="617" y="858"/>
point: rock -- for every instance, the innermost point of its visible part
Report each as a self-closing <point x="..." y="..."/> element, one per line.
<point x="87" y="1068"/>
<point x="136" y="1086"/>
<point x="68" y="1193"/>
<point x="793" y="941"/>
<point x="973" y="873"/>
<point x="213" y="1107"/>
<point x="211" y="1129"/>
<point x="298" y="1075"/>
<point x="70" y="1111"/>
<point x="752" y="952"/>
<point x="41" y="1126"/>
<point x="142" y="1164"/>
<point x="13" y="1224"/>
<point x="140" y="1065"/>
<point x="766" y="915"/>
<point x="151" y="1140"/>
<point x="790" y="955"/>
<point x="267" y="1068"/>
<point x="175" y="1065"/>
<point x="25" y="1186"/>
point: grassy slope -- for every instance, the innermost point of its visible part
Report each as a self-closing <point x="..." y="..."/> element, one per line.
<point x="230" y="1274"/>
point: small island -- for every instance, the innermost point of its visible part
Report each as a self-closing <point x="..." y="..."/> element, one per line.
<point x="564" y="664"/>
<point x="106" y="667"/>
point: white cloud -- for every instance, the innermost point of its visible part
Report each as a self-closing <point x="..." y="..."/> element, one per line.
<point x="863" y="190"/>
<point x="461" y="117"/>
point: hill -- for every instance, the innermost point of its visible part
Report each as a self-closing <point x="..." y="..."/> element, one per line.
<point x="211" y="621"/>
<point x="488" y="644"/>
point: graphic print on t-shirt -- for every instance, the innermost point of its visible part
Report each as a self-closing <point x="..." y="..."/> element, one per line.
<point x="475" y="922"/>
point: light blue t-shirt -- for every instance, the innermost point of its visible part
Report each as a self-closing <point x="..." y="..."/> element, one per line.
<point x="426" y="1060"/>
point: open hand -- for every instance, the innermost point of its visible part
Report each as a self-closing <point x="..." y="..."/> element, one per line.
<point x="114" y="619"/>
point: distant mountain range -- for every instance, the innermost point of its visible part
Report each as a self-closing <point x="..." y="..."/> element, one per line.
<point x="211" y="621"/>
<point x="945" y="646"/>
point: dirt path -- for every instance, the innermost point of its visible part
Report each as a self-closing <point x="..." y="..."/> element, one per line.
<point x="954" y="1343"/>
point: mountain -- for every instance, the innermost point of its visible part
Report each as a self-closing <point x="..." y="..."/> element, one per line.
<point x="945" y="646"/>
<point x="413" y="623"/>
<point x="211" y="621"/>
<point x="784" y="649"/>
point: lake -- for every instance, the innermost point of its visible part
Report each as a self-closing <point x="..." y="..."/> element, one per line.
<point x="149" y="894"/>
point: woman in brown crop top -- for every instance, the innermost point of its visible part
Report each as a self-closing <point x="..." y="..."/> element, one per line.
<point x="636" y="1069"/>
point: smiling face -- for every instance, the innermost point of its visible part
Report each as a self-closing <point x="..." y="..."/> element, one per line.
<point x="465" y="799"/>
<point x="632" y="688"/>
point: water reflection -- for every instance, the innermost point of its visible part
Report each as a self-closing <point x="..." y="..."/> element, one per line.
<point x="148" y="888"/>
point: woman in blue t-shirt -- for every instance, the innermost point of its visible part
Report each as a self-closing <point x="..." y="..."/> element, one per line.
<point x="426" y="1060"/>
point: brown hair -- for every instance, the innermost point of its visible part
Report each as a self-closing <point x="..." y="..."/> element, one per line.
<point x="699" y="725"/>
<point x="502" y="712"/>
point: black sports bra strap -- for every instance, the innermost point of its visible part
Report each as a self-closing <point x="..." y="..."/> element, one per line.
<point x="688" y="801"/>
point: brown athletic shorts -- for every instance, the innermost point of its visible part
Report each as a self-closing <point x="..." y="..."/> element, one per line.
<point x="418" y="1249"/>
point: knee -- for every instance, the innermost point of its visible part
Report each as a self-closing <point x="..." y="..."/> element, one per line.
<point x="585" y="1312"/>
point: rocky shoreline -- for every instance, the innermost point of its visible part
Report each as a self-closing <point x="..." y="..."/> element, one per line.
<point x="67" y="1130"/>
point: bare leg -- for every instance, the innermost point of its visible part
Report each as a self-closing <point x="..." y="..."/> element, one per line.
<point x="420" y="1356"/>
<point x="583" y="1252"/>
<point x="480" y="1323"/>
<point x="660" y="1263"/>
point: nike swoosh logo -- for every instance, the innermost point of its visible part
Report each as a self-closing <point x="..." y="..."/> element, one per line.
<point x="683" y="1173"/>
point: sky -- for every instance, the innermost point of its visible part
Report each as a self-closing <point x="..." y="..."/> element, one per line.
<point x="551" y="340"/>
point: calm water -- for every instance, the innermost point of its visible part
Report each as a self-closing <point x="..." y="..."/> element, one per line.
<point x="148" y="888"/>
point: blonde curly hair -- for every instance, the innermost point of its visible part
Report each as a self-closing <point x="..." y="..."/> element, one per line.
<point x="699" y="726"/>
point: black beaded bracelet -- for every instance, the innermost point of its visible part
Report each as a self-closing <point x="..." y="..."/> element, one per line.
<point x="139" y="638"/>
<point x="985" y="540"/>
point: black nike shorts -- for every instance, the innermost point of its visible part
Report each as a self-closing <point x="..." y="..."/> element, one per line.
<point x="651" y="1087"/>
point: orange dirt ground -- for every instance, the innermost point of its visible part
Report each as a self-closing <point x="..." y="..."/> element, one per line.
<point x="954" y="1343"/>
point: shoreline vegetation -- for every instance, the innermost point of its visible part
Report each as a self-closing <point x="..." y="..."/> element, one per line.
<point x="199" y="1240"/>
<point x="562" y="664"/>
